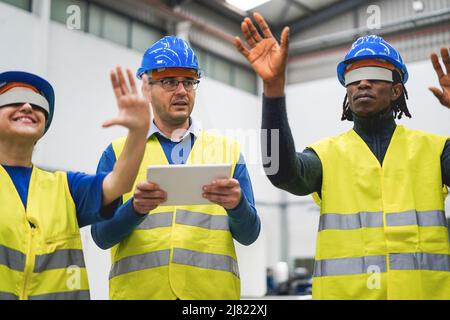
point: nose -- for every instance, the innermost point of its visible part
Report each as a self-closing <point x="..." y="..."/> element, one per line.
<point x="180" y="89"/>
<point x="364" y="83"/>
<point x="26" y="107"/>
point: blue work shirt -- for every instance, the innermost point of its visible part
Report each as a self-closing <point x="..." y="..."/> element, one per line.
<point x="86" y="191"/>
<point x="243" y="220"/>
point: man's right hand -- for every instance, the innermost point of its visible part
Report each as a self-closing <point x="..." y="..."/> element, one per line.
<point x="444" y="78"/>
<point x="147" y="197"/>
<point x="266" y="56"/>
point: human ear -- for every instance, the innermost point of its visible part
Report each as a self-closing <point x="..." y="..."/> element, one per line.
<point x="396" y="92"/>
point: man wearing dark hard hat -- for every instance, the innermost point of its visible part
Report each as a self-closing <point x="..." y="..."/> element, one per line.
<point x="182" y="252"/>
<point x="41" y="212"/>
<point x="381" y="186"/>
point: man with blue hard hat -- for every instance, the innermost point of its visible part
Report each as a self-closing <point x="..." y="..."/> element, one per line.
<point x="41" y="212"/>
<point x="380" y="186"/>
<point x="182" y="252"/>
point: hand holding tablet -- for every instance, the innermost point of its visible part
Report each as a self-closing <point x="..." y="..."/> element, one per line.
<point x="184" y="183"/>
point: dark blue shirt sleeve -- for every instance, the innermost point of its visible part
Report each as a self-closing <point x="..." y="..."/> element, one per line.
<point x="244" y="221"/>
<point x="87" y="193"/>
<point x="299" y="173"/>
<point x="107" y="161"/>
<point x="445" y="164"/>
<point x="111" y="232"/>
<point x="108" y="233"/>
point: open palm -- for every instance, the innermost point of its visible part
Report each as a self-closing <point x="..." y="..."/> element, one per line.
<point x="134" y="110"/>
<point x="444" y="78"/>
<point x="266" y="56"/>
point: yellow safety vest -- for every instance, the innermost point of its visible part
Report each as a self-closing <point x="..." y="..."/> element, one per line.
<point x="383" y="232"/>
<point x="184" y="252"/>
<point x="41" y="254"/>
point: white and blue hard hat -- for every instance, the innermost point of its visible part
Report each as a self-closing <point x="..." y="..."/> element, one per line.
<point x="169" y="52"/>
<point x="372" y="47"/>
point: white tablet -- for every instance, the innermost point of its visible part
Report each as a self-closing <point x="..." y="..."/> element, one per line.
<point x="183" y="183"/>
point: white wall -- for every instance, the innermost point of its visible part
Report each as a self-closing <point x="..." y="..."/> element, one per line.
<point x="78" y="66"/>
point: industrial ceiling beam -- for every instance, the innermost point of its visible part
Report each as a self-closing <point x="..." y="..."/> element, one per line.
<point x="322" y="15"/>
<point x="289" y="4"/>
<point x="301" y="6"/>
<point x="402" y="26"/>
<point x="224" y="9"/>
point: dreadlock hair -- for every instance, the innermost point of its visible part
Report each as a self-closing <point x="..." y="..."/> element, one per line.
<point x="398" y="106"/>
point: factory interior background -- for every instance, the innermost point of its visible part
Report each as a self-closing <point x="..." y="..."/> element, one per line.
<point x="75" y="43"/>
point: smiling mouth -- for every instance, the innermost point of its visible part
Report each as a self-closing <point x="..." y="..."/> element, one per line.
<point x="363" y="96"/>
<point x="25" y="120"/>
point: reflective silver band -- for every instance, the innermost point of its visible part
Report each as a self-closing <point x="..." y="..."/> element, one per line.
<point x="12" y="258"/>
<point x="420" y="218"/>
<point x="375" y="219"/>
<point x="348" y="266"/>
<point x="368" y="73"/>
<point x="59" y="259"/>
<point x="351" y="221"/>
<point x="156" y="220"/>
<point x="205" y="260"/>
<point x="202" y="220"/>
<point x="419" y="261"/>
<point x="397" y="261"/>
<point x="24" y="95"/>
<point x="8" y="296"/>
<point x="69" y="295"/>
<point x="140" y="262"/>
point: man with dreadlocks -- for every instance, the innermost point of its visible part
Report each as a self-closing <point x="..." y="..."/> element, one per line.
<point x="380" y="186"/>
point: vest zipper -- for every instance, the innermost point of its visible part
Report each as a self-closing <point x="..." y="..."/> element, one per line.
<point x="29" y="262"/>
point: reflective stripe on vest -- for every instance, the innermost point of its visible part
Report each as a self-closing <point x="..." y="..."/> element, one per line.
<point x="420" y="218"/>
<point x="8" y="296"/>
<point x="397" y="261"/>
<point x="351" y="221"/>
<point x="59" y="260"/>
<point x="140" y="262"/>
<point x="205" y="260"/>
<point x="69" y="295"/>
<point x="375" y="219"/>
<point x="11" y="258"/>
<point x="348" y="266"/>
<point x="419" y="261"/>
<point x="156" y="220"/>
<point x="202" y="220"/>
<point x="180" y="256"/>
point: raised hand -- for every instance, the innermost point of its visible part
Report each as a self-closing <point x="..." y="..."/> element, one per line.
<point x="134" y="110"/>
<point x="266" y="56"/>
<point x="444" y="78"/>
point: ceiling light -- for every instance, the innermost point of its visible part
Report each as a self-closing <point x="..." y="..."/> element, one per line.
<point x="247" y="4"/>
<point x="418" y="6"/>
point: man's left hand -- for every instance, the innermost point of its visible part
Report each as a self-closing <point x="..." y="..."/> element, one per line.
<point x="224" y="192"/>
<point x="444" y="78"/>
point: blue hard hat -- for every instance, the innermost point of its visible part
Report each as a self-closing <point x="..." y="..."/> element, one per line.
<point x="39" y="83"/>
<point x="168" y="52"/>
<point x="372" y="47"/>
